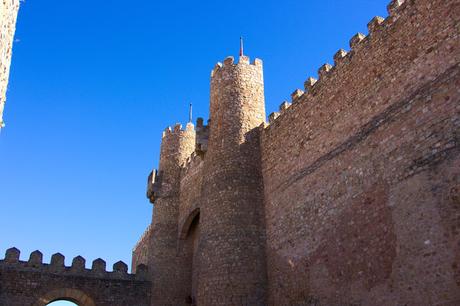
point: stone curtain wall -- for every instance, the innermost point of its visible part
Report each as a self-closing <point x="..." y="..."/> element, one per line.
<point x="362" y="172"/>
<point x="190" y="191"/>
<point x="8" y="13"/>
<point x="141" y="250"/>
<point x="34" y="283"/>
<point x="356" y="186"/>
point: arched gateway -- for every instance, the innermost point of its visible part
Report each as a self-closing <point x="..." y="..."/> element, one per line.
<point x="72" y="295"/>
<point x="189" y="238"/>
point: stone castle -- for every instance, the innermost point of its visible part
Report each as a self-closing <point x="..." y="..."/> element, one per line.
<point x="349" y="195"/>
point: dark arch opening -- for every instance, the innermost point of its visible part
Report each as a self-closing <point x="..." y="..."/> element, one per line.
<point x="190" y="242"/>
<point x="188" y="222"/>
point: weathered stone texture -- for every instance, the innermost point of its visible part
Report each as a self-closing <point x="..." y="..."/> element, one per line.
<point x="191" y="185"/>
<point x="8" y="14"/>
<point x="359" y="177"/>
<point x="33" y="283"/>
<point x="141" y="250"/>
<point x="361" y="173"/>
<point x="165" y="266"/>
<point x="207" y="230"/>
<point x="350" y="195"/>
<point x="232" y="234"/>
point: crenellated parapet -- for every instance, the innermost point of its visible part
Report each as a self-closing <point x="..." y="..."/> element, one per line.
<point x="144" y="237"/>
<point x="177" y="130"/>
<point x="78" y="267"/>
<point x="342" y="58"/>
<point x="359" y="163"/>
<point x="230" y="63"/>
<point x="353" y="157"/>
<point x="176" y="146"/>
<point x="237" y="100"/>
<point x="191" y="163"/>
<point x="230" y="192"/>
<point x="282" y="108"/>
<point x="140" y="253"/>
<point x="177" y="142"/>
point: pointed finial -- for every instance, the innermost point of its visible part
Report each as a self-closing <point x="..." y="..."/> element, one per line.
<point x="241" y="46"/>
<point x="190" y="113"/>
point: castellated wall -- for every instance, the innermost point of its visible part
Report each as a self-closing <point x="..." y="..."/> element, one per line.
<point x="34" y="283"/>
<point x="362" y="172"/>
<point x="8" y="13"/>
<point x="348" y="196"/>
<point x="140" y="255"/>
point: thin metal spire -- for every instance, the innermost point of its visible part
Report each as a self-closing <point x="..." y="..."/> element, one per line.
<point x="190" y="113"/>
<point x="241" y="46"/>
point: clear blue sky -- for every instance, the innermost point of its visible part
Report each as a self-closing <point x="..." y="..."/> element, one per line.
<point x="62" y="303"/>
<point x="94" y="83"/>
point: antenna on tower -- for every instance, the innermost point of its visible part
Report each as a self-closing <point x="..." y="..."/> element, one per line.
<point x="241" y="46"/>
<point x="190" y="113"/>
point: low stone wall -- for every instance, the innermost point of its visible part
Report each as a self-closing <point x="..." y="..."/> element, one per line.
<point x="33" y="282"/>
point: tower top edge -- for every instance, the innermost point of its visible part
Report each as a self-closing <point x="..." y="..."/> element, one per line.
<point x="243" y="60"/>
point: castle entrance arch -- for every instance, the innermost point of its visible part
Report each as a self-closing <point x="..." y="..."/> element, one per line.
<point x="189" y="238"/>
<point x="72" y="295"/>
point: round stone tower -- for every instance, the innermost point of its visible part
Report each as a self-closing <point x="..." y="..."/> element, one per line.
<point x="177" y="144"/>
<point x="232" y="237"/>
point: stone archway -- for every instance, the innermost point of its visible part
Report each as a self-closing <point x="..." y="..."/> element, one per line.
<point x="187" y="223"/>
<point x="72" y="295"/>
<point x="189" y="235"/>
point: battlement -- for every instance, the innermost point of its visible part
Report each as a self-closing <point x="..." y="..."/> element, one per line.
<point x="343" y="58"/>
<point x="283" y="107"/>
<point x="192" y="161"/>
<point x="363" y="156"/>
<point x="140" y="252"/>
<point x="57" y="266"/>
<point x="177" y="129"/>
<point x="229" y="62"/>
<point x="353" y="156"/>
<point x="143" y="237"/>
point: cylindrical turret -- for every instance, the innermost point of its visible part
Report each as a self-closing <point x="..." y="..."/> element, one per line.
<point x="237" y="100"/>
<point x="176" y="146"/>
<point x="232" y="237"/>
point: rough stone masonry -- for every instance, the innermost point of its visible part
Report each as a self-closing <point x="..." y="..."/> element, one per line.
<point x="349" y="195"/>
<point x="33" y="282"/>
<point x="8" y="14"/>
